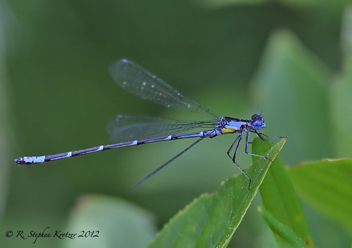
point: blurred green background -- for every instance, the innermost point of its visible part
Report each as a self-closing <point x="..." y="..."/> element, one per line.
<point x="291" y="61"/>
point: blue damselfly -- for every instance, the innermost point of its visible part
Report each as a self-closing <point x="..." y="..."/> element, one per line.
<point x="136" y="130"/>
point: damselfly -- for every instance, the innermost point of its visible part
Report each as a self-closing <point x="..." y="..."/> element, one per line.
<point x="137" y="130"/>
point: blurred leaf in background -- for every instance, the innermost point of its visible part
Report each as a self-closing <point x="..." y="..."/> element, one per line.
<point x="60" y="96"/>
<point x="293" y="77"/>
<point x="326" y="185"/>
<point x="340" y="94"/>
<point x="108" y="222"/>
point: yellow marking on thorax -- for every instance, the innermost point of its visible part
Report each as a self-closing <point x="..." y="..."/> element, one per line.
<point x="228" y="130"/>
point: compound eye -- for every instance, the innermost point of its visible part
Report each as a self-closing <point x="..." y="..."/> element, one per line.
<point x="257" y="124"/>
<point x="256" y="117"/>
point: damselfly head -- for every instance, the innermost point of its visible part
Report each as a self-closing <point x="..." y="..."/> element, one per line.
<point x="258" y="121"/>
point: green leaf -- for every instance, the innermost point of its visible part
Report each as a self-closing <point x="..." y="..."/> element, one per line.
<point x="282" y="230"/>
<point x="115" y="222"/>
<point x="280" y="198"/>
<point x="211" y="219"/>
<point x="327" y="186"/>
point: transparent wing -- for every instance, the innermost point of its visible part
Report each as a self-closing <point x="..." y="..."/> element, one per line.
<point x="129" y="127"/>
<point x="140" y="82"/>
